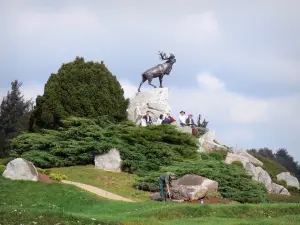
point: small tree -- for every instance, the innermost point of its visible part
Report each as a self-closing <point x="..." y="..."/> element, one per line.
<point x="13" y="109"/>
<point x="81" y="89"/>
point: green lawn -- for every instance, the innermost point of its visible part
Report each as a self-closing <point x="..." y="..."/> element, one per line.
<point x="39" y="203"/>
<point x="117" y="183"/>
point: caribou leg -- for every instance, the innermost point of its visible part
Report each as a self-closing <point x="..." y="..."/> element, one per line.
<point x="149" y="82"/>
<point x="160" y="81"/>
<point x="143" y="81"/>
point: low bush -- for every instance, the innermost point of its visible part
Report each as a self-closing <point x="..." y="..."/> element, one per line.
<point x="58" y="176"/>
<point x="79" y="139"/>
<point x="280" y="182"/>
<point x="234" y="182"/>
<point x="2" y="168"/>
<point x="145" y="151"/>
<point x="238" y="164"/>
<point x="293" y="190"/>
<point x="275" y="198"/>
<point x="43" y="171"/>
<point x="5" y="161"/>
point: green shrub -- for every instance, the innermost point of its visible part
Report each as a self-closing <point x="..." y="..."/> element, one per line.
<point x="293" y="190"/>
<point x="81" y="89"/>
<point x="2" y="168"/>
<point x="43" y="171"/>
<point x="79" y="139"/>
<point x="280" y="182"/>
<point x="145" y="151"/>
<point x="5" y="161"/>
<point x="58" y="176"/>
<point x="238" y="164"/>
<point x="275" y="198"/>
<point x="234" y="182"/>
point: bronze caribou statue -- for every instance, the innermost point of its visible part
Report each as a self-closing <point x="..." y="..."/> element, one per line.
<point x="159" y="70"/>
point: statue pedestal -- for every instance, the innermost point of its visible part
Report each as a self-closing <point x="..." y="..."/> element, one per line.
<point x="154" y="100"/>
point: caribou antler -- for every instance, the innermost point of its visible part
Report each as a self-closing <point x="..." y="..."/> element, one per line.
<point x="162" y="55"/>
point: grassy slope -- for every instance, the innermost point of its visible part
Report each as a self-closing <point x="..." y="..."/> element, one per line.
<point x="28" y="202"/>
<point x="118" y="183"/>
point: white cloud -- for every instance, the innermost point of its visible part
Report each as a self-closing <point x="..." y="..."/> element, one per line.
<point x="209" y="82"/>
<point x="199" y="26"/>
<point x="31" y="90"/>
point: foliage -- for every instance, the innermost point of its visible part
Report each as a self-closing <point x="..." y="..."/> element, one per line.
<point x="238" y="164"/>
<point x="24" y="202"/>
<point x="286" y="160"/>
<point x="43" y="171"/>
<point x="280" y="182"/>
<point x="217" y="155"/>
<point x="79" y="139"/>
<point x="14" y="114"/>
<point x="58" y="176"/>
<point x="5" y="161"/>
<point x="2" y="168"/>
<point x="275" y="198"/>
<point x="234" y="182"/>
<point x="293" y="190"/>
<point x="118" y="183"/>
<point x="81" y="89"/>
<point x="145" y="151"/>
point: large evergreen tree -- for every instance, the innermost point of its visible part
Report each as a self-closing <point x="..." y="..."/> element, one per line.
<point x="81" y="89"/>
<point x="14" y="110"/>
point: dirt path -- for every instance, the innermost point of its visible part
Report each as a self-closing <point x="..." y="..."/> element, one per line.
<point x="98" y="191"/>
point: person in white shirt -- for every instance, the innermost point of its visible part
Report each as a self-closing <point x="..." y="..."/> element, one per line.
<point x="160" y="119"/>
<point x="182" y="118"/>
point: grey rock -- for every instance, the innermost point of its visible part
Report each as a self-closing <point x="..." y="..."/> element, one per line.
<point x="242" y="152"/>
<point x="155" y="196"/>
<point x="188" y="192"/>
<point x="110" y="161"/>
<point x="258" y="174"/>
<point x="279" y="189"/>
<point x="154" y="100"/>
<point x="186" y="129"/>
<point x="207" y="143"/>
<point x="190" y="188"/>
<point x="290" y="180"/>
<point x="20" y="169"/>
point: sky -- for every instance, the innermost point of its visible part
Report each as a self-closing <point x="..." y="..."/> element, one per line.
<point x="238" y="62"/>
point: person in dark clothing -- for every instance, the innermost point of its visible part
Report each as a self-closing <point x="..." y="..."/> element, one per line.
<point x="168" y="119"/>
<point x="148" y="118"/>
<point x="164" y="182"/>
<point x="190" y="121"/>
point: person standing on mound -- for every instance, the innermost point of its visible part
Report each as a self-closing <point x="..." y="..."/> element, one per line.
<point x="164" y="182"/>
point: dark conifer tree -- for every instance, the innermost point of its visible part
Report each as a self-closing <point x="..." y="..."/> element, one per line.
<point x="13" y="111"/>
<point x="81" y="89"/>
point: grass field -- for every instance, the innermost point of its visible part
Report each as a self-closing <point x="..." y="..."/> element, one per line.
<point x="40" y="203"/>
<point x="117" y="183"/>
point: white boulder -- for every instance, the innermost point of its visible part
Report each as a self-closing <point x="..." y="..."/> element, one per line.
<point x="154" y="100"/>
<point x="290" y="180"/>
<point x="20" y="169"/>
<point x="244" y="153"/>
<point x="207" y="143"/>
<point x="258" y="174"/>
<point x="110" y="161"/>
<point x="279" y="189"/>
